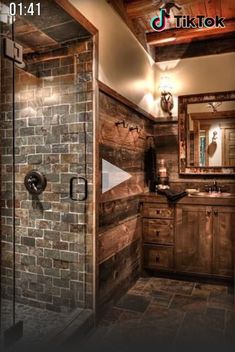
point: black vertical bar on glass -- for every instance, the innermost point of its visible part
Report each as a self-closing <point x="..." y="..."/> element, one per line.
<point x="13" y="181"/>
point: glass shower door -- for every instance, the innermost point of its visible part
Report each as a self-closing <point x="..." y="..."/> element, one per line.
<point x="46" y="231"/>
<point x="7" y="180"/>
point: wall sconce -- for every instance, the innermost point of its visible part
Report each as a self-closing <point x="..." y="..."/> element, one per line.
<point x="167" y="102"/>
<point x="215" y="136"/>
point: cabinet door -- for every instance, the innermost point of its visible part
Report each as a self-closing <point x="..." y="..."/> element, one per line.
<point x="194" y="239"/>
<point x="224" y="237"/>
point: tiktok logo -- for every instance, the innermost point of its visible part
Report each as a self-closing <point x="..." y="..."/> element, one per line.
<point x="158" y="23"/>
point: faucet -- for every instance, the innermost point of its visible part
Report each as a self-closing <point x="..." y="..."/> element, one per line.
<point x="213" y="188"/>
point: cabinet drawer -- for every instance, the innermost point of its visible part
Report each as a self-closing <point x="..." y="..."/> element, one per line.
<point x="158" y="257"/>
<point x="157" y="211"/>
<point x="158" y="231"/>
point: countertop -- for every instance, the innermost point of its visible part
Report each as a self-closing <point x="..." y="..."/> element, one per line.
<point x="190" y="199"/>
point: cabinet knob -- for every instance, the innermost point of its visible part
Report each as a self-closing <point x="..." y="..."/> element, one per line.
<point x="215" y="212"/>
<point x="157" y="259"/>
<point x="208" y="213"/>
<point x="157" y="233"/>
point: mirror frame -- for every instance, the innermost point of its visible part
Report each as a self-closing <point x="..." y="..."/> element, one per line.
<point x="183" y="102"/>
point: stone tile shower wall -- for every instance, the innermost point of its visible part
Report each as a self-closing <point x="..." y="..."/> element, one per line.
<point x="54" y="134"/>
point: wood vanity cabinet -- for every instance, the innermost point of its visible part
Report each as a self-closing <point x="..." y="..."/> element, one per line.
<point x="158" y="236"/>
<point x="204" y="240"/>
<point x="223" y="240"/>
<point x="189" y="238"/>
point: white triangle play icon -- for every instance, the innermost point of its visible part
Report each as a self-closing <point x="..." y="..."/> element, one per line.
<point x="112" y="176"/>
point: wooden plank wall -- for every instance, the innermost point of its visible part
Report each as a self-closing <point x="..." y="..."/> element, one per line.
<point x="119" y="238"/>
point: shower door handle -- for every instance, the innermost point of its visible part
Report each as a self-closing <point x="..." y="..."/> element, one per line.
<point x="85" y="188"/>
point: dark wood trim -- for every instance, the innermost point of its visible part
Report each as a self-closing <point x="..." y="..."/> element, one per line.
<point x="221" y="45"/>
<point x="113" y="94"/>
<point x="207" y="279"/>
<point x="96" y="173"/>
<point x="164" y="121"/>
<point x="184" y="100"/>
<point x="213" y="115"/>
<point x="139" y="7"/>
<point x="208" y="97"/>
<point x="77" y="15"/>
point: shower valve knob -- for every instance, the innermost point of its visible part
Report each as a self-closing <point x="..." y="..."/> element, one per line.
<point x="35" y="182"/>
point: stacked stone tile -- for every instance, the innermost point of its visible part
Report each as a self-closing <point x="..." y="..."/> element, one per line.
<point x="53" y="134"/>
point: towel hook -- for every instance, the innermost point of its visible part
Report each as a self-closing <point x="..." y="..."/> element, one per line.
<point x="136" y="128"/>
<point x="123" y="123"/>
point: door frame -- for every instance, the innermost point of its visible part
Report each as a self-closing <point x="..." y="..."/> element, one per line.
<point x="80" y="18"/>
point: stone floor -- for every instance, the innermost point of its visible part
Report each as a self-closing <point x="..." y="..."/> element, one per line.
<point x="39" y="325"/>
<point x="169" y="313"/>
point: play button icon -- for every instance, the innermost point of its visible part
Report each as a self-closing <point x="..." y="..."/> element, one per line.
<point x="112" y="176"/>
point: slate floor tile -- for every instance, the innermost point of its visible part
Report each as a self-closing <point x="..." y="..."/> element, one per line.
<point x="163" y="318"/>
<point x="111" y="316"/>
<point x="188" y="303"/>
<point x="221" y="300"/>
<point x="211" y="288"/>
<point x="133" y="302"/>
<point x="161" y="298"/>
<point x="175" y="286"/>
<point x="163" y="312"/>
<point x="139" y="287"/>
<point x="129" y="317"/>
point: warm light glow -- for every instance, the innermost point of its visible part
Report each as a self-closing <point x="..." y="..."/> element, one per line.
<point x="165" y="84"/>
<point x="166" y="40"/>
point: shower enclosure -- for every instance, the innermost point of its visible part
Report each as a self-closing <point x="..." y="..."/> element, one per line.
<point x="46" y="130"/>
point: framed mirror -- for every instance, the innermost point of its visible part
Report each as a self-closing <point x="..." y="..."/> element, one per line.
<point x="207" y="133"/>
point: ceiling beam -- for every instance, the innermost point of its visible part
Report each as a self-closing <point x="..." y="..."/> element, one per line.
<point x="180" y="36"/>
<point x="139" y="8"/>
<point x="213" y="46"/>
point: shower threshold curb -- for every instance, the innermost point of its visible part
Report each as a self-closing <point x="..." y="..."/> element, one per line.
<point x="75" y="331"/>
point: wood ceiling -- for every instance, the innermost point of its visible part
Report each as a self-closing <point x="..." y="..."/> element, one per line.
<point x="173" y="43"/>
<point x="51" y="30"/>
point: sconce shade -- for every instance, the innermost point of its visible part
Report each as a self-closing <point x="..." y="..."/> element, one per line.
<point x="165" y="84"/>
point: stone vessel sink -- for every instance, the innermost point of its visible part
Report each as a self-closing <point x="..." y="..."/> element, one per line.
<point x="212" y="194"/>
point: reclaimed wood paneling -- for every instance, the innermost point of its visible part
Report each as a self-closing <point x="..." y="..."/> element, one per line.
<point x="129" y="160"/>
<point x="118" y="273"/>
<point x="112" y="212"/>
<point x="119" y="244"/>
<point x="117" y="238"/>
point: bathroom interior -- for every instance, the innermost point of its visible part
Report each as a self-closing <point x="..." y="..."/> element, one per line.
<point x="117" y="155"/>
